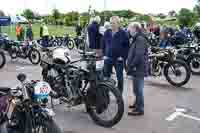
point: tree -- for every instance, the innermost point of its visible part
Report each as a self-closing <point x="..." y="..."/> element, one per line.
<point x="29" y="14"/>
<point x="2" y="13"/>
<point x="56" y="15"/>
<point x="185" y="17"/>
<point x="172" y="13"/>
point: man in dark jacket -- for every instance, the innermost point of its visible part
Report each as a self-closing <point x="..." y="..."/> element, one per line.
<point x="115" y="45"/>
<point x="137" y="64"/>
<point x="93" y="34"/>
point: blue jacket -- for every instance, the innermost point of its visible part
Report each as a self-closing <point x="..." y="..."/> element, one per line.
<point x="115" y="46"/>
<point x="94" y="36"/>
<point x="137" y="62"/>
<point x="165" y="43"/>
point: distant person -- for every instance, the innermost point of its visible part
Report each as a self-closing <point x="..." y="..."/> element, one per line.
<point x="165" y="40"/>
<point x="44" y="33"/>
<point x="78" y="29"/>
<point x="94" y="35"/>
<point x="144" y="30"/>
<point x="137" y="67"/>
<point x="115" y="46"/>
<point x="29" y="32"/>
<point x="19" y="32"/>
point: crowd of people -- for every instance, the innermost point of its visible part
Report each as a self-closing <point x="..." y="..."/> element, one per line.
<point x="126" y="48"/>
<point x="122" y="55"/>
<point x="24" y="33"/>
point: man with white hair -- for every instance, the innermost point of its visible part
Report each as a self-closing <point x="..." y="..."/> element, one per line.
<point x="137" y="66"/>
<point x="93" y="33"/>
<point x="115" y="45"/>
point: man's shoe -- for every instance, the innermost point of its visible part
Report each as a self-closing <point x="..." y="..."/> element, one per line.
<point x="136" y="113"/>
<point x="132" y="107"/>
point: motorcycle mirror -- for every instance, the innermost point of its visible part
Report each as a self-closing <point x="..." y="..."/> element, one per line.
<point x="21" y="77"/>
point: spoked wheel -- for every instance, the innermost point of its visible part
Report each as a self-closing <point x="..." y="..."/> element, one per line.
<point x="48" y="126"/>
<point x="13" y="53"/>
<point x="70" y="45"/>
<point x="177" y="73"/>
<point x="194" y="63"/>
<point x="34" y="56"/>
<point x="2" y="59"/>
<point x="108" y="111"/>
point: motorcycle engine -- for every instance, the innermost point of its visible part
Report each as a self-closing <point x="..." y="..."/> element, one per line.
<point x="66" y="85"/>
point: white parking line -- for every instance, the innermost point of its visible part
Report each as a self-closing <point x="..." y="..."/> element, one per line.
<point x="181" y="112"/>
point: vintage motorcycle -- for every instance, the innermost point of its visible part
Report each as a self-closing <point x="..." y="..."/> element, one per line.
<point x="23" y="50"/>
<point x="80" y="82"/>
<point x="190" y="54"/>
<point x="24" y="109"/>
<point x="2" y="59"/>
<point x="165" y="59"/>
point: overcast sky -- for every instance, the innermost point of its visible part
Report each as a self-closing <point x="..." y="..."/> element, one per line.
<point x="142" y="6"/>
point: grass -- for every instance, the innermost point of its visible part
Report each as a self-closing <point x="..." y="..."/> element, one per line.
<point x="53" y="30"/>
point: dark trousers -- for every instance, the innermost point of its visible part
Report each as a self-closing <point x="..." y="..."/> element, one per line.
<point x="138" y="90"/>
<point x="119" y="67"/>
<point x="45" y="41"/>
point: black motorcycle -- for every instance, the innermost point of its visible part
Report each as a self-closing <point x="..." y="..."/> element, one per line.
<point x="2" y="59"/>
<point x="165" y="59"/>
<point x="24" y="50"/>
<point x="24" y="109"/>
<point x="81" y="82"/>
<point x="190" y="54"/>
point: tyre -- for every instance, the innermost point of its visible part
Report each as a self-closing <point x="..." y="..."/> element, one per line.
<point x="96" y="114"/>
<point x="70" y="45"/>
<point x="13" y="53"/>
<point x="49" y="126"/>
<point x="2" y="59"/>
<point x="34" y="56"/>
<point x="194" y="63"/>
<point x="176" y="72"/>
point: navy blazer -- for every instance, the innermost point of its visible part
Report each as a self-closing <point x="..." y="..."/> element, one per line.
<point x="116" y="45"/>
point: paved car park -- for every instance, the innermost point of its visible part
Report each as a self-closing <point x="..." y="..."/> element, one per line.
<point x="161" y="101"/>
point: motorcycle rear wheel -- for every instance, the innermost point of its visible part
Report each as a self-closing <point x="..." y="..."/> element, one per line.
<point x="172" y="65"/>
<point x="31" y="56"/>
<point x="194" y="63"/>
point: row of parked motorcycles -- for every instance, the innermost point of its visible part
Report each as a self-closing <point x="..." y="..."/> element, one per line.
<point x="65" y="41"/>
<point x="183" y="58"/>
<point x="30" y="49"/>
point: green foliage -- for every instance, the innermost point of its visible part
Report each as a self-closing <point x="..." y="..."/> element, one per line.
<point x="186" y="17"/>
<point x="56" y="15"/>
<point x="141" y="18"/>
<point x="29" y="14"/>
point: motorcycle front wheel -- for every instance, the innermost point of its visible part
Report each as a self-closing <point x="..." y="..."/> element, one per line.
<point x="34" y="56"/>
<point x="100" y="109"/>
<point x="2" y="59"/>
<point x="173" y="72"/>
<point x="70" y="45"/>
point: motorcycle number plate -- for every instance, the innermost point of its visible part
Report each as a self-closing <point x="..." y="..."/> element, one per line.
<point x="42" y="89"/>
<point x="100" y="64"/>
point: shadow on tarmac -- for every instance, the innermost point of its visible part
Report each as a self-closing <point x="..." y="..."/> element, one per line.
<point x="167" y="86"/>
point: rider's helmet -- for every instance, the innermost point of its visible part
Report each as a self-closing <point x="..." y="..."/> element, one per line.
<point x="61" y="56"/>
